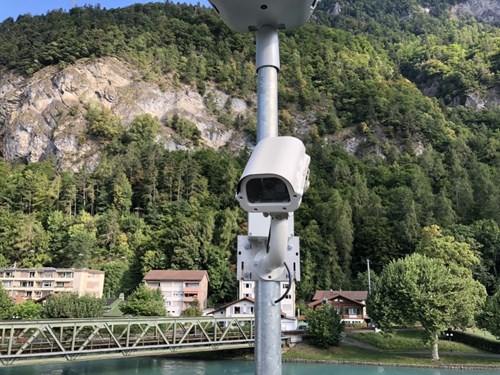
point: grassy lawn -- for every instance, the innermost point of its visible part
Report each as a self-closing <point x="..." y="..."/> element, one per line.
<point x="482" y="333"/>
<point x="408" y="340"/>
<point x="389" y="349"/>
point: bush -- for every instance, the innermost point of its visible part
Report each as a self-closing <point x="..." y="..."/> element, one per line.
<point x="476" y="341"/>
<point x="29" y="310"/>
<point x="144" y="302"/>
<point x="70" y="305"/>
<point x="325" y="326"/>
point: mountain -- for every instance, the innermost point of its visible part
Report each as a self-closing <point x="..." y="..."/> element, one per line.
<point x="123" y="134"/>
<point x="46" y="113"/>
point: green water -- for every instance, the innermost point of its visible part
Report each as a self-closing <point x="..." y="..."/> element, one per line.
<point x="162" y="366"/>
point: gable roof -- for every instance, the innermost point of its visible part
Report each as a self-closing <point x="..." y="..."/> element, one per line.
<point x="251" y="300"/>
<point x="358" y="297"/>
<point x="355" y="295"/>
<point x="175" y="275"/>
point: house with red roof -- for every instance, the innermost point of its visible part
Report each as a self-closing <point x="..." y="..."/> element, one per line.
<point x="180" y="288"/>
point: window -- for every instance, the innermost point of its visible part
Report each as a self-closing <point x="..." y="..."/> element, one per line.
<point x="8" y="274"/>
<point x="353" y="311"/>
<point x="248" y="295"/>
<point x="192" y="285"/>
<point x="66" y="275"/>
<point x="6" y="283"/>
<point x="59" y="284"/>
<point x="237" y="309"/>
<point x="26" y="284"/>
<point x="46" y="284"/>
<point x="32" y="275"/>
<point x="284" y="286"/>
<point x="247" y="285"/>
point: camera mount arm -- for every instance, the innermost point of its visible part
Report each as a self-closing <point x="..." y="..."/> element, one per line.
<point x="269" y="262"/>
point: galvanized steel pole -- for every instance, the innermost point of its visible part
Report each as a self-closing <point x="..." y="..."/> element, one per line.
<point x="267" y="313"/>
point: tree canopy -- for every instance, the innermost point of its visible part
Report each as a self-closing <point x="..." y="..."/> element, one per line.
<point x="144" y="302"/>
<point x="380" y="92"/>
<point x="419" y="289"/>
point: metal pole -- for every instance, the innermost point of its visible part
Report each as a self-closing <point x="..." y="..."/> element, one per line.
<point x="267" y="354"/>
<point x="369" y="277"/>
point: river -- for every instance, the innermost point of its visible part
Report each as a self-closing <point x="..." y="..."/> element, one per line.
<point x="166" y="366"/>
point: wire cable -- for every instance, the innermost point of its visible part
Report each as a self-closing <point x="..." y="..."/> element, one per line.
<point x="289" y="284"/>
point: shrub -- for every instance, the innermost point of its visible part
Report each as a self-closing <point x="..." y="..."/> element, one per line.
<point x="325" y="326"/>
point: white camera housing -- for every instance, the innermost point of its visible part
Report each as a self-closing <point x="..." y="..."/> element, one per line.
<point x="275" y="177"/>
<point x="250" y="15"/>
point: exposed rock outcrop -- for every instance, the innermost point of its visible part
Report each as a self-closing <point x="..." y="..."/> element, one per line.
<point x="43" y="114"/>
<point x="487" y="11"/>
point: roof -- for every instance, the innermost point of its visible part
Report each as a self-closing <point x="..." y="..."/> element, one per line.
<point x="356" y="295"/>
<point x="353" y="296"/>
<point x="251" y="300"/>
<point x="175" y="275"/>
<point x="247" y="299"/>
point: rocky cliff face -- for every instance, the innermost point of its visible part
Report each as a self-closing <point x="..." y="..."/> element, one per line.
<point x="483" y="10"/>
<point x="42" y="115"/>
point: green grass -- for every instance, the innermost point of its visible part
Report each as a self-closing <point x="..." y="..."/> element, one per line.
<point x="482" y="333"/>
<point x="346" y="353"/>
<point x="408" y="340"/>
<point x="404" y="348"/>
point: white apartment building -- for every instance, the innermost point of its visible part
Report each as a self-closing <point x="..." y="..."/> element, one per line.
<point x="34" y="283"/>
<point x="247" y="290"/>
<point x="179" y="288"/>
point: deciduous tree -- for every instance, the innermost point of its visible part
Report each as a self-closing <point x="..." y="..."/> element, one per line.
<point x="419" y="289"/>
<point x="144" y="302"/>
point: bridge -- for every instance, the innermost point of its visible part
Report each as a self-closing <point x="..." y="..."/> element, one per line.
<point x="45" y="341"/>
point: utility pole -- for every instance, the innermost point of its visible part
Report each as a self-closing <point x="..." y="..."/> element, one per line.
<point x="275" y="178"/>
<point x="369" y="277"/>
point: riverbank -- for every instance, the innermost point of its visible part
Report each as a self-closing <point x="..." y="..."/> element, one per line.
<point x="350" y="353"/>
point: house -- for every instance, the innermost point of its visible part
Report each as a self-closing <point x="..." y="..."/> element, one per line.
<point x="350" y="305"/>
<point x="36" y="283"/>
<point x="180" y="288"/>
<point x="247" y="290"/>
<point x="245" y="308"/>
<point x="242" y="308"/>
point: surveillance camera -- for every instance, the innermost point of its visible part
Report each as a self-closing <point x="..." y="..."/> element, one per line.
<point x="275" y="177"/>
<point x="249" y="15"/>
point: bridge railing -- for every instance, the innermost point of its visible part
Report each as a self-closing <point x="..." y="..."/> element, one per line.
<point x="71" y="339"/>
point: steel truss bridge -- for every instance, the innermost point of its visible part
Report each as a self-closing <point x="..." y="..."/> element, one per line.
<point x="28" y="342"/>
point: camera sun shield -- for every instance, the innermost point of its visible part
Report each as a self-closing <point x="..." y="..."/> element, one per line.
<point x="275" y="177"/>
<point x="249" y="15"/>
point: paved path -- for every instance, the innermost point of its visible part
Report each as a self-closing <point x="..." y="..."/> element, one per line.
<point x="359" y="344"/>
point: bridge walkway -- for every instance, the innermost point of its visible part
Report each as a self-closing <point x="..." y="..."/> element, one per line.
<point x="25" y="342"/>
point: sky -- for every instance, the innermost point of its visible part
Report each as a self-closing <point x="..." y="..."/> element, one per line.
<point x="14" y="8"/>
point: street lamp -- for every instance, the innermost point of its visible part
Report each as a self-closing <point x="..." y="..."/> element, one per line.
<point x="275" y="178"/>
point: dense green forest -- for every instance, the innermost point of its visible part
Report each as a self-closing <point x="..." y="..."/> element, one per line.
<point x="424" y="160"/>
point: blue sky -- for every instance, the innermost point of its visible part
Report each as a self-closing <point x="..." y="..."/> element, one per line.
<point x="13" y="8"/>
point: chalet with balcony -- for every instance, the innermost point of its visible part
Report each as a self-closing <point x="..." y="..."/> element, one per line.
<point x="180" y="288"/>
<point x="350" y="305"/>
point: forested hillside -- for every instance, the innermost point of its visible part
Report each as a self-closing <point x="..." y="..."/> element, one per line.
<point x="397" y="103"/>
